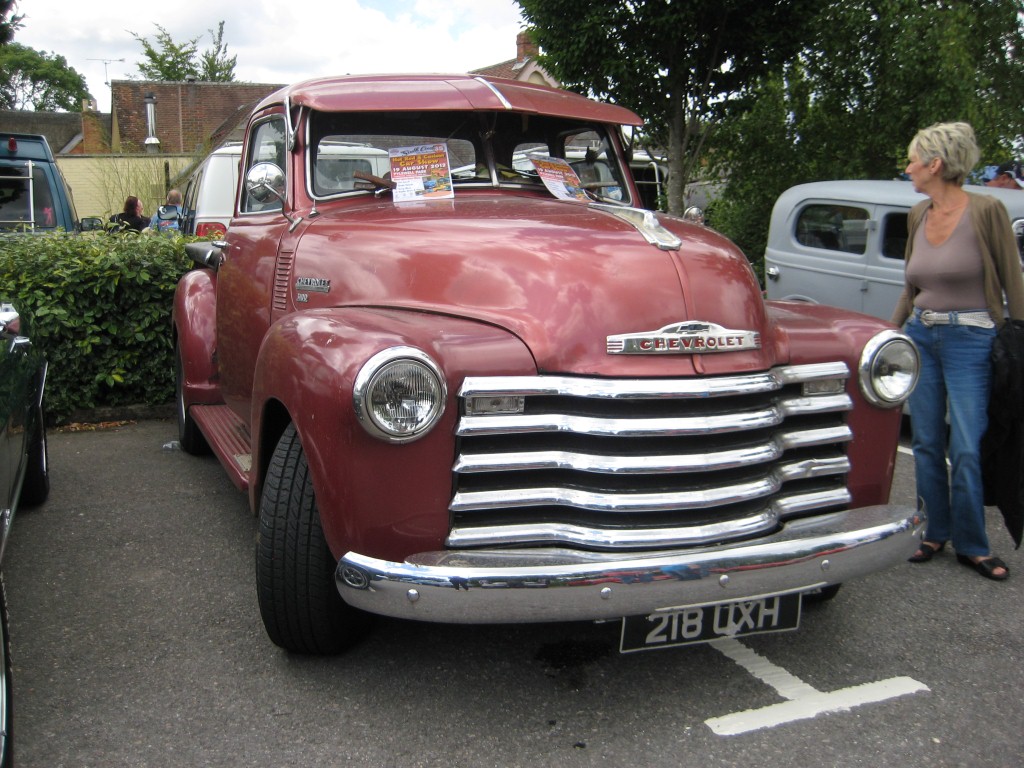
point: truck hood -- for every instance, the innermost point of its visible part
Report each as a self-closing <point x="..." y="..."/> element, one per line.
<point x="562" y="276"/>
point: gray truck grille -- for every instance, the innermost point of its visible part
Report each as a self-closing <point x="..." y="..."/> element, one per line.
<point x="612" y="464"/>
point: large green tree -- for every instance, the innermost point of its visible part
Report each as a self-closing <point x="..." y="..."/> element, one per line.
<point x="215" y="66"/>
<point x="168" y="60"/>
<point x="31" y="79"/>
<point x="677" y="64"/>
<point x="870" y="76"/>
<point x="9" y="21"/>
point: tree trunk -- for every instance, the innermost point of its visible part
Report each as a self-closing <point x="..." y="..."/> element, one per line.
<point x="677" y="164"/>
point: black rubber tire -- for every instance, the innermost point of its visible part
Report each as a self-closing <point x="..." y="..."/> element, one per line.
<point x="190" y="437"/>
<point x="299" y="602"/>
<point x="35" y="488"/>
<point x="6" y="708"/>
<point x="824" y="594"/>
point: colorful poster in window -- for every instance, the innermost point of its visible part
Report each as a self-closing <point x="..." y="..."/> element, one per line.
<point x="559" y="177"/>
<point x="421" y="172"/>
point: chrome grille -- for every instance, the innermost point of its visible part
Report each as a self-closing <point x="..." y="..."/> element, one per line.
<point x="612" y="464"/>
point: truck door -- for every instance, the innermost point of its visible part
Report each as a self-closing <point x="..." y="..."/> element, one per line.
<point x="821" y="257"/>
<point x="883" y="276"/>
<point x="16" y="373"/>
<point x="246" y="278"/>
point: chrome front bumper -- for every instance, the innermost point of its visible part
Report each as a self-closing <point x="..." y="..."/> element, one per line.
<point x="536" y="585"/>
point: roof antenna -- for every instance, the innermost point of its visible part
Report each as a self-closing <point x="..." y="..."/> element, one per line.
<point x="106" y="80"/>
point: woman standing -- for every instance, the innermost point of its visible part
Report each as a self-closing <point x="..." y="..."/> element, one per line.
<point x="962" y="260"/>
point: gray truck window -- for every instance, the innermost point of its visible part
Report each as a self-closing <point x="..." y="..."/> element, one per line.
<point x="894" y="235"/>
<point x="833" y="227"/>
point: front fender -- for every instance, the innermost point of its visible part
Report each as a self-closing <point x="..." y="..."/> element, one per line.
<point x="373" y="496"/>
<point x="815" y="332"/>
<point x="194" y="317"/>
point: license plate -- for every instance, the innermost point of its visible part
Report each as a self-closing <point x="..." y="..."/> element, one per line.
<point x="701" y="623"/>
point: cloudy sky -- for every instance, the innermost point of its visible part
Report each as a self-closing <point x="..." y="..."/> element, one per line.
<point x="275" y="41"/>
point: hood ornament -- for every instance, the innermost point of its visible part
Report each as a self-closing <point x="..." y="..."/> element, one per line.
<point x="686" y="338"/>
<point x="646" y="223"/>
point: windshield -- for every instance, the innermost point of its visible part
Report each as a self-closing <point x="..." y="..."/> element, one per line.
<point x="352" y="152"/>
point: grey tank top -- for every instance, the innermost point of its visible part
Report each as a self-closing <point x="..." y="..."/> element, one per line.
<point x="949" y="276"/>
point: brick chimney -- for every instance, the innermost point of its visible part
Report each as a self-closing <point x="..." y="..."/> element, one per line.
<point x="525" y="47"/>
<point x="94" y="136"/>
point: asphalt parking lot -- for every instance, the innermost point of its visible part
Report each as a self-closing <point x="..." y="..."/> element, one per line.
<point x="137" y="642"/>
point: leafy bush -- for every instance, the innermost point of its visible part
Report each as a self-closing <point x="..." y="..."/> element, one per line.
<point x="99" y="306"/>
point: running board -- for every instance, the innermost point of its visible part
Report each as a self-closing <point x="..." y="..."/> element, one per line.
<point x="228" y="437"/>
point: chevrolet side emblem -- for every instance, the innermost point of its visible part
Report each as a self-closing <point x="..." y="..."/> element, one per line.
<point x="688" y="338"/>
<point x="313" y="284"/>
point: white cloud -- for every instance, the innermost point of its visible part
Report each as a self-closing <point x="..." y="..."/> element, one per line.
<point x="279" y="42"/>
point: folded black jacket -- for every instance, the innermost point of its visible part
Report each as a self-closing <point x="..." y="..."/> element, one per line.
<point x="1002" y="447"/>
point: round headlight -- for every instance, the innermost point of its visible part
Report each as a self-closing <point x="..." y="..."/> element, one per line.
<point x="399" y="394"/>
<point x="889" y="368"/>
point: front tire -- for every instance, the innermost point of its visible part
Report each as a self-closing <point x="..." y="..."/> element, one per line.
<point x="190" y="437"/>
<point x="299" y="602"/>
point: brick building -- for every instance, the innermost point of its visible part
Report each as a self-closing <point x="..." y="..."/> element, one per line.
<point x="523" y="67"/>
<point x="106" y="156"/>
<point x="189" y="117"/>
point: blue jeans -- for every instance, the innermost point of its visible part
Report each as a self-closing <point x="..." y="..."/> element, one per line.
<point x="955" y="371"/>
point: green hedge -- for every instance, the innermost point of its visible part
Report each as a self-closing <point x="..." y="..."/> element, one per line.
<point x="99" y="306"/>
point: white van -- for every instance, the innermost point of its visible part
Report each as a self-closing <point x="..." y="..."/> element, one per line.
<point x="208" y="197"/>
<point x="842" y="242"/>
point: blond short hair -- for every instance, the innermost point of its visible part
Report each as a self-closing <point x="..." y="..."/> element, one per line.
<point x="952" y="143"/>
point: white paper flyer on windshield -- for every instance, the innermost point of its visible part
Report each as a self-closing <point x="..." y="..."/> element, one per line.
<point x="559" y="177"/>
<point x="421" y="172"/>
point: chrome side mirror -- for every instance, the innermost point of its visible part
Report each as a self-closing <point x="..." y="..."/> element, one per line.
<point x="10" y="322"/>
<point x="206" y="254"/>
<point x="265" y="182"/>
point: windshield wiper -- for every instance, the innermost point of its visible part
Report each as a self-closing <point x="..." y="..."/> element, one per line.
<point x="376" y="183"/>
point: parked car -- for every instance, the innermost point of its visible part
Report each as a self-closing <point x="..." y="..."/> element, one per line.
<point x="24" y="472"/>
<point x="208" y="196"/>
<point x="34" y="196"/>
<point x="526" y="399"/>
<point x="842" y="242"/>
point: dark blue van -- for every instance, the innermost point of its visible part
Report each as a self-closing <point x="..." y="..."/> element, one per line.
<point x="34" y="197"/>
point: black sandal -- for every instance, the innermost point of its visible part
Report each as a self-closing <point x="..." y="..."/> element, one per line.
<point x="986" y="567"/>
<point x="926" y="552"/>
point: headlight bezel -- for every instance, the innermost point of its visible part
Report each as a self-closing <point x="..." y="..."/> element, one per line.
<point x="373" y="374"/>
<point x="883" y="347"/>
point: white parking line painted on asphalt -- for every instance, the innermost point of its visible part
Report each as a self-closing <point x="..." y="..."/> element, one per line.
<point x="803" y="701"/>
<point x="905" y="449"/>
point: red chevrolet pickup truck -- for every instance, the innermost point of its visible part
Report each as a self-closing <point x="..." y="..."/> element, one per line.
<point x="463" y="377"/>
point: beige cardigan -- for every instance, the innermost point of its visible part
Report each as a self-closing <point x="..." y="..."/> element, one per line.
<point x="1001" y="261"/>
